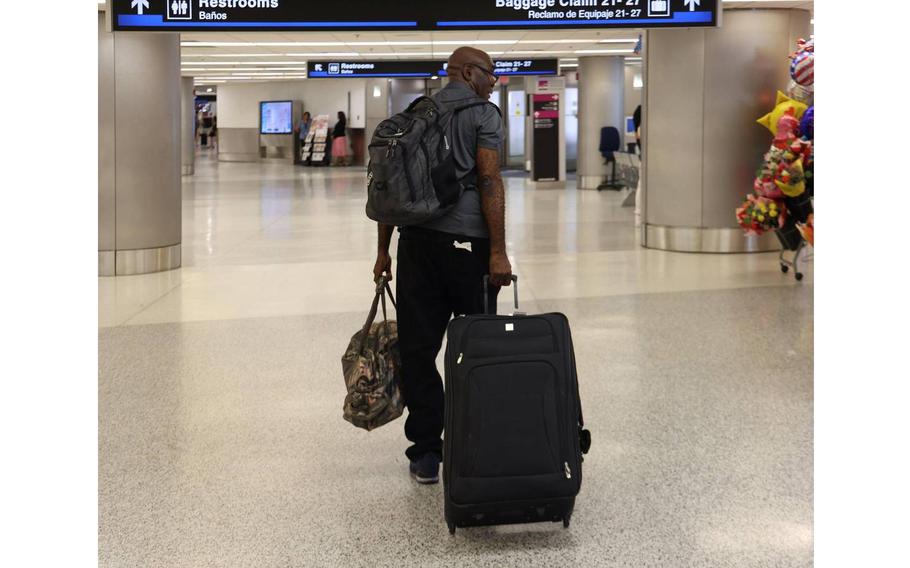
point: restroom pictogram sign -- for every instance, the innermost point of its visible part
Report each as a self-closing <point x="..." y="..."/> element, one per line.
<point x="179" y="9"/>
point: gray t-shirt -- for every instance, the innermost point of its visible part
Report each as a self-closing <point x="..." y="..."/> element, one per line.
<point x="477" y="126"/>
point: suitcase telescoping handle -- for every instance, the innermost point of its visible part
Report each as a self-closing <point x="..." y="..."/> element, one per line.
<point x="486" y="294"/>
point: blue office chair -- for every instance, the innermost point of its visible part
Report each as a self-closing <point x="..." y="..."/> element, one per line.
<point x="610" y="142"/>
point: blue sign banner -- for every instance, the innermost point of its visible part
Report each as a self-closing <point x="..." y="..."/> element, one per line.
<point x="352" y="15"/>
<point x="422" y="69"/>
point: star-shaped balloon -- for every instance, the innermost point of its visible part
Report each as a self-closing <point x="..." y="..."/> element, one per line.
<point x="783" y="104"/>
<point x="796" y="184"/>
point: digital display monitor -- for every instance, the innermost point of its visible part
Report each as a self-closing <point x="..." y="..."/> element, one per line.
<point x="276" y="117"/>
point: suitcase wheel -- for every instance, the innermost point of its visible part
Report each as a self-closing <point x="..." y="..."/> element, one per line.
<point x="451" y="528"/>
<point x="565" y="521"/>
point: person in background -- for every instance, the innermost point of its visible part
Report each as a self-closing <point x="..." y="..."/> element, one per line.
<point x="636" y="118"/>
<point x="441" y="263"/>
<point x="206" y="129"/>
<point x="340" y="141"/>
<point x="302" y="129"/>
<point x="201" y="135"/>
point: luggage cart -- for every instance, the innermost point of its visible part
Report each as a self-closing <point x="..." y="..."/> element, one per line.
<point x="785" y="264"/>
<point x="790" y="238"/>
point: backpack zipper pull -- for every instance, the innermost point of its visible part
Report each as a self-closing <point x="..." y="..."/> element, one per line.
<point x="568" y="471"/>
<point x="460" y="357"/>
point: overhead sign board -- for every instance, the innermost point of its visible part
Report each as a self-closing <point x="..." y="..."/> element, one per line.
<point x="421" y="69"/>
<point x="504" y="67"/>
<point x="354" y="69"/>
<point x="288" y="15"/>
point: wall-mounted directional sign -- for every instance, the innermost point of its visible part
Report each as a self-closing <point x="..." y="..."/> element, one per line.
<point x="421" y="69"/>
<point x="286" y="15"/>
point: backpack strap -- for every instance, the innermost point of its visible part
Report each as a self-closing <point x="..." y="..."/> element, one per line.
<point x="463" y="104"/>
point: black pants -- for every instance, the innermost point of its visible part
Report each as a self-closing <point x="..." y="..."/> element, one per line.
<point x="436" y="279"/>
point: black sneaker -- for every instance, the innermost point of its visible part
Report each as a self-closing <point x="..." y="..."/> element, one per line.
<point x="425" y="469"/>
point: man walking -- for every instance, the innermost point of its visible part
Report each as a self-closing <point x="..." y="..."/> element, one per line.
<point x="441" y="263"/>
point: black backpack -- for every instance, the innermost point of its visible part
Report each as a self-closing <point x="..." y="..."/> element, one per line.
<point x="411" y="175"/>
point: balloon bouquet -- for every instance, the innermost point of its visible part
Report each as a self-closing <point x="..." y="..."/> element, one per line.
<point x="780" y="200"/>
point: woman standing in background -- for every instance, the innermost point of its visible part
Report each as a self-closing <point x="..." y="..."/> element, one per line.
<point x="340" y="141"/>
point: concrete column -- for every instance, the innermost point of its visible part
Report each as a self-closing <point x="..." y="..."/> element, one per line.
<point x="187" y="126"/>
<point x="601" y="92"/>
<point x="139" y="209"/>
<point x="632" y="93"/>
<point x="402" y="92"/>
<point x="377" y="104"/>
<point x="704" y="89"/>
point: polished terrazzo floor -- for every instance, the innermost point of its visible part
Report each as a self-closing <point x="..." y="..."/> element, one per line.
<point x="220" y="433"/>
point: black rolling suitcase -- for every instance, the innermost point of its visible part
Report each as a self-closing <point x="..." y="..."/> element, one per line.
<point x="514" y="433"/>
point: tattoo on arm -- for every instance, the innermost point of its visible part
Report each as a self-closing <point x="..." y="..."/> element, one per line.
<point x="485" y="183"/>
<point x="492" y="197"/>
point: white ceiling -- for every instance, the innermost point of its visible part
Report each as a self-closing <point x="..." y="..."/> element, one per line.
<point x="215" y="57"/>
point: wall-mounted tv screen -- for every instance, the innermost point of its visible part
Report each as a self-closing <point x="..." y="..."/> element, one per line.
<point x="275" y="117"/>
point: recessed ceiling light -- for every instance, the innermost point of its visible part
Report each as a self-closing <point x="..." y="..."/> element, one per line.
<point x="311" y="54"/>
<point x="205" y="63"/>
<point x="603" y="51"/>
<point x="265" y="68"/>
<point x="232" y="54"/>
<point x="398" y="43"/>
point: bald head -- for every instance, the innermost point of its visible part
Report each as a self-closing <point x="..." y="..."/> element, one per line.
<point x="473" y="67"/>
<point x="465" y="55"/>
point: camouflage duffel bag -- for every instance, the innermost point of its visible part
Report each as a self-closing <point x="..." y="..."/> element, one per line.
<point x="372" y="369"/>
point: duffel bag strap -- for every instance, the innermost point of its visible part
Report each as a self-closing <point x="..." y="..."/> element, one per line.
<point x="382" y="286"/>
<point x="372" y="315"/>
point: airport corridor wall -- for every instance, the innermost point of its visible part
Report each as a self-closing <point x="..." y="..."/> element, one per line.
<point x="238" y="109"/>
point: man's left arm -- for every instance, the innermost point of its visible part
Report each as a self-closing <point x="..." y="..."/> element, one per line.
<point x="492" y="195"/>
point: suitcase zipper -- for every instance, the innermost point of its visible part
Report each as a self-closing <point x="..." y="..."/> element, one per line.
<point x="568" y="471"/>
<point x="460" y="357"/>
